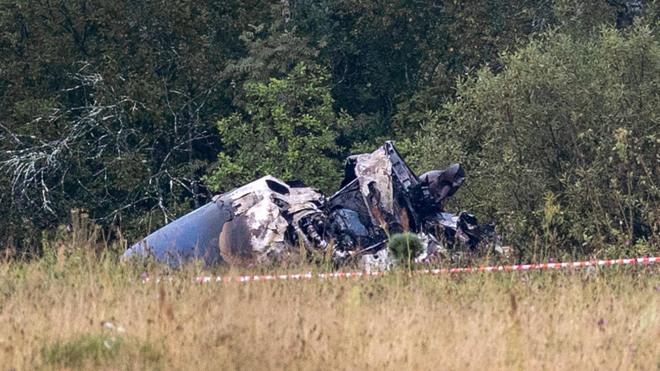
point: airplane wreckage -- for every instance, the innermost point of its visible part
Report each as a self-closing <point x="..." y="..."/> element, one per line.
<point x="262" y="222"/>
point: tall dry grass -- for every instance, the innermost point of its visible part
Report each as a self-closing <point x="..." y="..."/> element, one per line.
<point x="78" y="310"/>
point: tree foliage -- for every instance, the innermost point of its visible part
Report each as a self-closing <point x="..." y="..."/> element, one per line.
<point x="288" y="129"/>
<point x="123" y="107"/>
<point x="109" y="106"/>
<point x="563" y="143"/>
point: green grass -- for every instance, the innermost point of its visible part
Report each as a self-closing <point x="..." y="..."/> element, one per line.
<point x="95" y="350"/>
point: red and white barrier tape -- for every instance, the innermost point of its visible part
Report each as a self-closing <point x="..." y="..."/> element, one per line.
<point x="498" y="268"/>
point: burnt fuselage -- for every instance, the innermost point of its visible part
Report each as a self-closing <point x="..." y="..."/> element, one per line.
<point x="267" y="219"/>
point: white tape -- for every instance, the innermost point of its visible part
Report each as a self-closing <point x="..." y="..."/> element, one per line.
<point x="499" y="268"/>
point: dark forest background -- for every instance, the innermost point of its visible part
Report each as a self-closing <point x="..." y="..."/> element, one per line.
<point x="138" y="111"/>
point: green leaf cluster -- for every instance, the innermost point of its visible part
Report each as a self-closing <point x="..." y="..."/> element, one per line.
<point x="287" y="128"/>
<point x="562" y="145"/>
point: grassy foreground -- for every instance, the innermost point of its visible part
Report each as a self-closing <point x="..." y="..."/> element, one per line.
<point x="80" y="312"/>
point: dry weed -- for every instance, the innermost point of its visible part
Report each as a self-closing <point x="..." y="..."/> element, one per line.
<point x="582" y="320"/>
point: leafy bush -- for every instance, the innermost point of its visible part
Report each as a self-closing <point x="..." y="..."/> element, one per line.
<point x="288" y="130"/>
<point x="405" y="247"/>
<point x="562" y="145"/>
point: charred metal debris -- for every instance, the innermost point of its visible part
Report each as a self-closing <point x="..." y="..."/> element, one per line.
<point x="262" y="222"/>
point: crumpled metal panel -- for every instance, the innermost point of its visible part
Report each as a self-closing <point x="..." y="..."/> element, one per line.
<point x="376" y="190"/>
<point x="376" y="169"/>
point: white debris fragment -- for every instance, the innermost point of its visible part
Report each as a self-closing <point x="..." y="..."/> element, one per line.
<point x="378" y="262"/>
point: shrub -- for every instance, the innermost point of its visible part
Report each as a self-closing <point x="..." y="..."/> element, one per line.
<point x="405" y="247"/>
<point x="561" y="146"/>
<point x="289" y="130"/>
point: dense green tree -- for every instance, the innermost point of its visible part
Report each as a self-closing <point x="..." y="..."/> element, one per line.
<point x="393" y="61"/>
<point x="110" y="106"/>
<point x="563" y="143"/>
<point x="475" y="34"/>
<point x="287" y="128"/>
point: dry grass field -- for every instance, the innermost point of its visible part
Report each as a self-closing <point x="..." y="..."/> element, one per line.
<point x="82" y="312"/>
